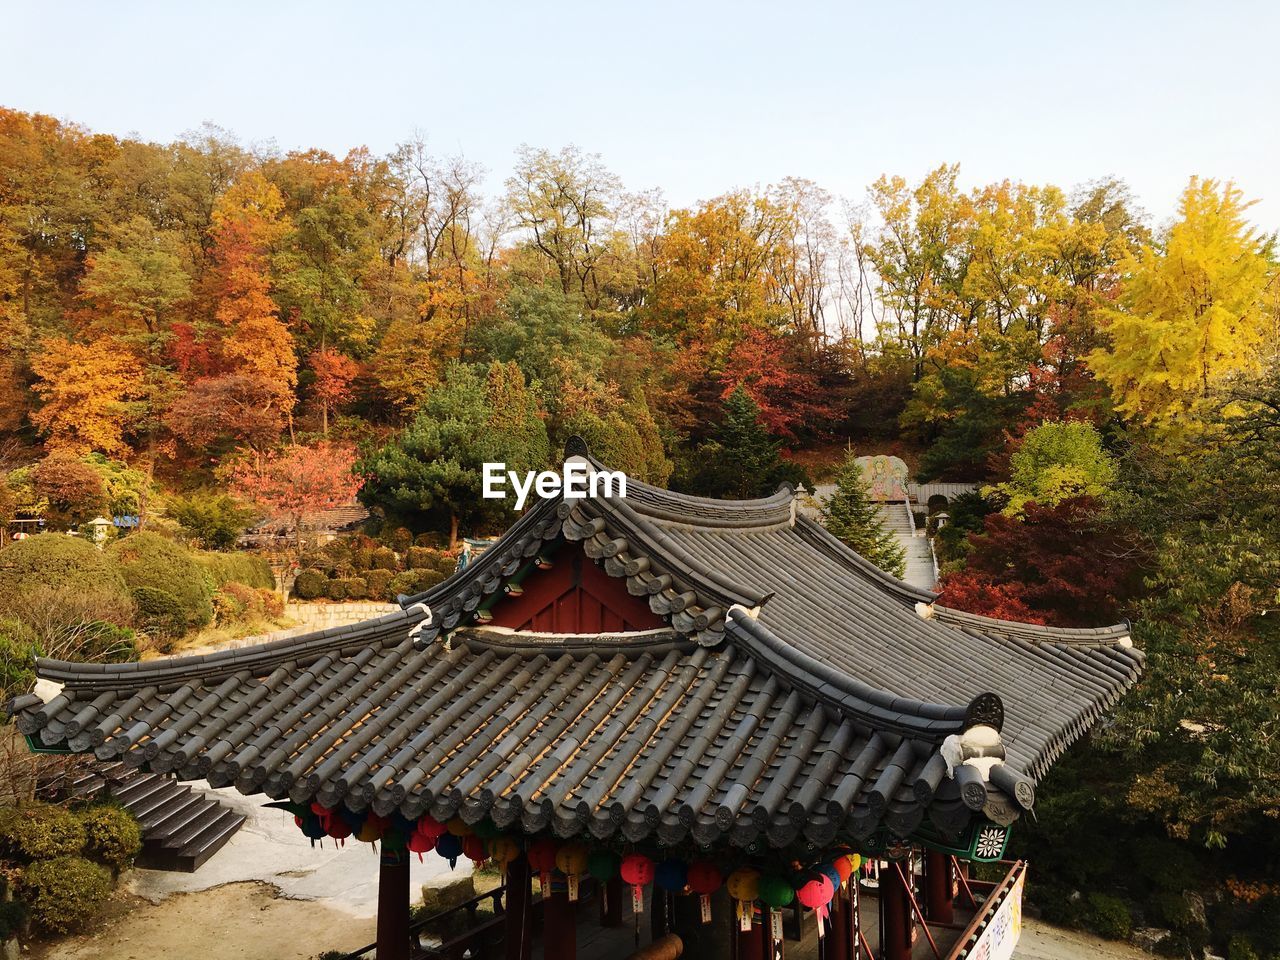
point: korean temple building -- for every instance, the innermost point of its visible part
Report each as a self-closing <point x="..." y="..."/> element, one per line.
<point x="714" y="699"/>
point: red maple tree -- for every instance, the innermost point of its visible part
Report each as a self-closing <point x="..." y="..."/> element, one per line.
<point x="298" y="480"/>
<point x="785" y="388"/>
<point x="1064" y="565"/>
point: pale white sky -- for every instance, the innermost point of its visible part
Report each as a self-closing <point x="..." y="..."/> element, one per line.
<point x="693" y="97"/>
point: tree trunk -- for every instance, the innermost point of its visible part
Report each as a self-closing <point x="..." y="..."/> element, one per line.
<point x="453" y="530"/>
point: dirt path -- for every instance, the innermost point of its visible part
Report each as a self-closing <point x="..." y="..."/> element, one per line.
<point x="238" y="921"/>
<point x="1039" y="941"/>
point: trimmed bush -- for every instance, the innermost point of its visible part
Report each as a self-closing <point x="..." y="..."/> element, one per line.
<point x="318" y="560"/>
<point x="310" y="585"/>
<point x="226" y="608"/>
<point x="53" y="560"/>
<point x="40" y="832"/>
<point x="161" y="613"/>
<point x="336" y="589"/>
<point x="246" y="568"/>
<point x="428" y="540"/>
<point x="339" y="551"/>
<point x="400" y="539"/>
<point x="343" y="570"/>
<point x="112" y="837"/>
<point x="362" y="559"/>
<point x="403" y="583"/>
<point x="1108" y="916"/>
<point x="384" y="558"/>
<point x="379" y="581"/>
<point x="63" y="893"/>
<point x="357" y="588"/>
<point x="149" y="562"/>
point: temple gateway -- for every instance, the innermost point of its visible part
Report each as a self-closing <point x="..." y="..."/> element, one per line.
<point x="710" y="718"/>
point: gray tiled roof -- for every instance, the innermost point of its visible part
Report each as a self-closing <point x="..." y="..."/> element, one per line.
<point x="799" y="695"/>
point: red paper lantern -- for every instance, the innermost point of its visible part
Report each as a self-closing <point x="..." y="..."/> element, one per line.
<point x="338" y="828"/>
<point x="542" y="855"/>
<point x="704" y="877"/>
<point x="816" y="892"/>
<point x="420" y="843"/>
<point x="474" y="849"/>
<point x="637" y="869"/>
<point x="431" y="827"/>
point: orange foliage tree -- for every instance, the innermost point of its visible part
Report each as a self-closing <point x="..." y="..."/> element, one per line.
<point x="334" y="372"/>
<point x="298" y="480"/>
<point x="87" y="390"/>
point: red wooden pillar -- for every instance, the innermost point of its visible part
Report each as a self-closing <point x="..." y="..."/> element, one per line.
<point x="519" y="910"/>
<point x="559" y="922"/>
<point x="749" y="944"/>
<point x="896" y="924"/>
<point x="838" y="946"/>
<point x="393" y="905"/>
<point x="938" y="901"/>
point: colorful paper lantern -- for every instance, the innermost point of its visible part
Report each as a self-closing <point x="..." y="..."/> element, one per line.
<point x="542" y="855"/>
<point x="636" y="869"/>
<point x="671" y="874"/>
<point x="420" y="843"/>
<point x="572" y="858"/>
<point x="844" y="868"/>
<point x="369" y="831"/>
<point x="459" y="827"/>
<point x="744" y="884"/>
<point x="775" y="892"/>
<point x="313" y="829"/>
<point x="339" y="829"/>
<point x="503" y="850"/>
<point x="474" y="849"/>
<point x="393" y="841"/>
<point x="829" y="871"/>
<point x="487" y="829"/>
<point x="379" y="823"/>
<point x="449" y="847"/>
<point x="603" y="864"/>
<point x="704" y="877"/>
<point x="431" y="827"/>
<point x="815" y="893"/>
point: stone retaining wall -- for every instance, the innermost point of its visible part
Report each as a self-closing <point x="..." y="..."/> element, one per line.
<point x="321" y="616"/>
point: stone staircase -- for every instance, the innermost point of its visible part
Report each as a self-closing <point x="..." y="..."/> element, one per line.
<point x="182" y="826"/>
<point x="920" y="571"/>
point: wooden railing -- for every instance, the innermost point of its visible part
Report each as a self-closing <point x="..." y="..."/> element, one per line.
<point x="475" y="940"/>
<point x="995" y="902"/>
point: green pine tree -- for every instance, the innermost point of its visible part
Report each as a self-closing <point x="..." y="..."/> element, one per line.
<point x="852" y="517"/>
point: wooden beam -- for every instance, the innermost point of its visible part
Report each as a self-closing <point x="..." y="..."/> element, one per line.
<point x="559" y="922"/>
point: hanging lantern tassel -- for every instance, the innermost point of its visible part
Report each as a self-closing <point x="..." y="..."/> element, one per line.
<point x="542" y="859"/>
<point x="775" y="925"/>
<point x="744" y="887"/>
<point x="637" y="870"/>
<point x="704" y="880"/>
<point x="572" y="860"/>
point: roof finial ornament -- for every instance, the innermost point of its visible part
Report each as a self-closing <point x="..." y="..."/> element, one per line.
<point x="575" y="446"/>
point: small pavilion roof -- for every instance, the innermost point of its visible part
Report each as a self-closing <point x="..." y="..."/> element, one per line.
<point x="795" y="694"/>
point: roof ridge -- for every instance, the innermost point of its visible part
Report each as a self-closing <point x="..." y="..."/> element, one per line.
<point x="166" y="670"/>
<point x="1116" y="633"/>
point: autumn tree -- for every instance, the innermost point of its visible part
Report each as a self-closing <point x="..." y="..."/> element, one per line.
<point x="563" y="202"/>
<point x="1193" y="312"/>
<point x="741" y="460"/>
<point x="297" y="481"/>
<point x="851" y="516"/>
<point x="215" y="415"/>
<point x="87" y="392"/>
<point x="71" y="489"/>
<point x="1065" y="564"/>
<point x="333" y="372"/>
<point x="248" y="224"/>
<point x="1058" y="461"/>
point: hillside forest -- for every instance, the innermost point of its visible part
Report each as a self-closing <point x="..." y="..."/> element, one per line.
<point x="200" y="334"/>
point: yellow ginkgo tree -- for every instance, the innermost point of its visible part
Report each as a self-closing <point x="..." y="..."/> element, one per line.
<point x="1193" y="312"/>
